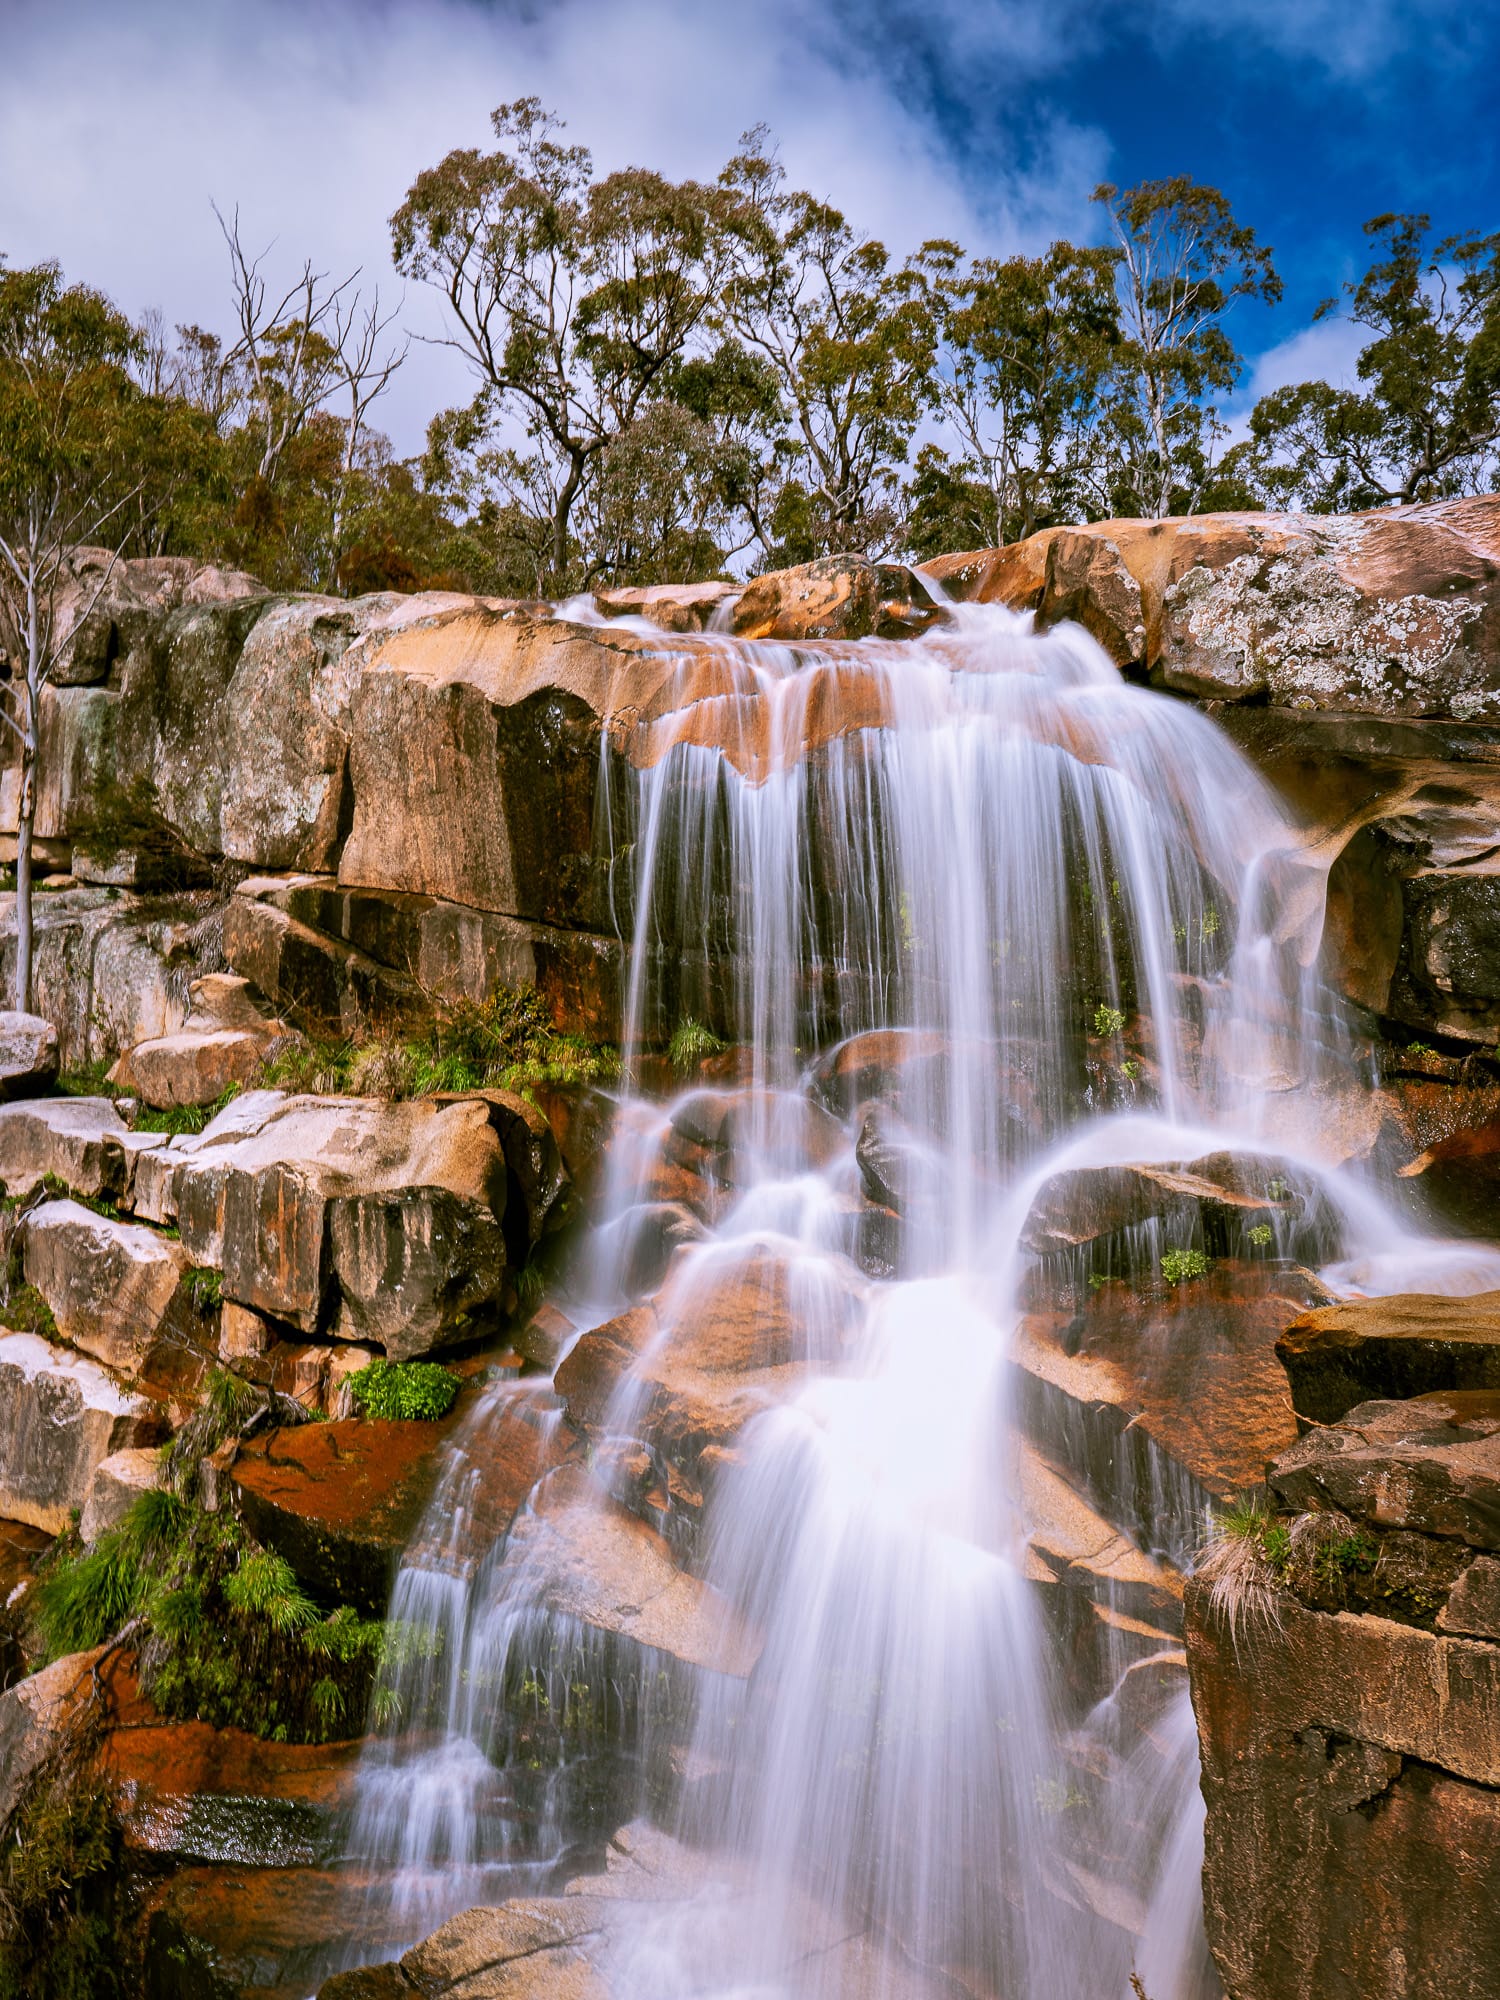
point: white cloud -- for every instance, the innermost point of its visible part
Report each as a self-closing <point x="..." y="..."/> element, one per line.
<point x="122" y="124"/>
<point x="1351" y="42"/>
<point x="1326" y="352"/>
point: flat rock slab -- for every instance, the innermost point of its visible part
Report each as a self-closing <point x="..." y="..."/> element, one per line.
<point x="194" y="1067"/>
<point x="1389" y="1349"/>
<point x="219" y="1933"/>
<point x="79" y="1140"/>
<point x="1431" y="1465"/>
<point x="343" y="1501"/>
<point x="60" y="1417"/>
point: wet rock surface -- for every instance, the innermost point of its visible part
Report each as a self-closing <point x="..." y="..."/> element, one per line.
<point x="1361" y="1350"/>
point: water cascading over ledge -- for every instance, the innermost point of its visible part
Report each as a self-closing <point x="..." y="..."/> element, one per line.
<point x="1017" y="966"/>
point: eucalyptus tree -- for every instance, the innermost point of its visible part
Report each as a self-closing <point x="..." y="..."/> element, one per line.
<point x="850" y="344"/>
<point x="75" y="433"/>
<point x="1026" y="348"/>
<point x="571" y="297"/>
<point x="1425" y="422"/>
<point x="1182" y="262"/>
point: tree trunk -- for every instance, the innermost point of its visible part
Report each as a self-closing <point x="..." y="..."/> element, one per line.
<point x="26" y="813"/>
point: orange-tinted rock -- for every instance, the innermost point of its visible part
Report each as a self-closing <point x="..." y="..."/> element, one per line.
<point x="342" y="1501"/>
<point x="1014" y="576"/>
<point x="675" y="607"/>
<point x="1369" y="1350"/>
<point x="230" y="1932"/>
<point x="837" y="597"/>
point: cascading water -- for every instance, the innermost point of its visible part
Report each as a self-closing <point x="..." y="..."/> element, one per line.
<point x="921" y="888"/>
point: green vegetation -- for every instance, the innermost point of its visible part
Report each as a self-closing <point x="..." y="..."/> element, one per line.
<point x="179" y="1119"/>
<point x="223" y="1631"/>
<point x="26" y="1311"/>
<point x="692" y="1044"/>
<point x="1108" y="1020"/>
<point x="206" y="1288"/>
<point x="506" y="1043"/>
<point x="1178" y="1266"/>
<point x="60" y="1857"/>
<point x="404" y="1390"/>
<point x="1260" y="1234"/>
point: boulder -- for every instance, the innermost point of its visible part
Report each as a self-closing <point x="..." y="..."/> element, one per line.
<point x="223" y="1931"/>
<point x="837" y="597"/>
<point x="110" y="1285"/>
<point x="1157" y="1406"/>
<point x="194" y="1067"/>
<point x="675" y="607"/>
<point x="60" y="1418"/>
<point x="105" y="606"/>
<point x="352" y="1214"/>
<point x="119" y="1481"/>
<point x="1364" y="1350"/>
<point x="76" y="1140"/>
<point x="28" y="1054"/>
<point x="1430" y="1466"/>
<point x="34" y="1717"/>
<point x="1212" y="1201"/>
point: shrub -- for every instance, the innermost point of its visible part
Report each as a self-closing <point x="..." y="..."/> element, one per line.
<point x="1177" y="1266"/>
<point x="404" y="1390"/>
<point x="690" y="1045"/>
<point x="1108" y="1020"/>
<point x="1260" y="1235"/>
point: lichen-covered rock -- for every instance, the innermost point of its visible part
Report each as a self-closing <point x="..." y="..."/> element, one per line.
<point x="1394" y="612"/>
<point x="60" y="1417"/>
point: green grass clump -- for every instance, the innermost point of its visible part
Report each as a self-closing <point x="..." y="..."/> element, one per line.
<point x="404" y="1390"/>
<point x="1108" y="1020"/>
<point x="26" y="1311"/>
<point x="1178" y="1266"/>
<point x="691" y="1044"/>
<point x="185" y="1120"/>
<point x="206" y="1288"/>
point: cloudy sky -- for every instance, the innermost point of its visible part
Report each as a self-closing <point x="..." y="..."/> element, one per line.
<point x="988" y="120"/>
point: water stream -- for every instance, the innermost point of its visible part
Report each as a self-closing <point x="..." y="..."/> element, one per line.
<point x="981" y="923"/>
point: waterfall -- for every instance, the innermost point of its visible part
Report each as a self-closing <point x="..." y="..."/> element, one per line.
<point x="983" y="925"/>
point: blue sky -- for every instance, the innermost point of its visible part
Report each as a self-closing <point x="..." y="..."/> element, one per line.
<point x="989" y="120"/>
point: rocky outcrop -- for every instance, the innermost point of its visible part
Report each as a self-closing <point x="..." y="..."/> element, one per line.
<point x="1348" y="1711"/>
<point x="110" y="1285"/>
<point x="839" y="597"/>
<point x="28" y="1055"/>
<point x="1392" y="613"/>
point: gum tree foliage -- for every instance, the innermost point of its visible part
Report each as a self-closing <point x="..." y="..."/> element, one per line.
<point x="1026" y="348"/>
<point x="1182" y="262"/>
<point x="79" y="445"/>
<point x="572" y="298"/>
<point x="850" y="346"/>
<point x="1425" y="422"/>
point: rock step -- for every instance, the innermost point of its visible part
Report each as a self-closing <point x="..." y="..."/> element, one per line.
<point x="1367" y="1350"/>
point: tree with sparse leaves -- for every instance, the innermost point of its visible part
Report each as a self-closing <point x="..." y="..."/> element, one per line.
<point x="1182" y="263"/>
<point x="1425" y="422"/>
<point x="79" y="441"/>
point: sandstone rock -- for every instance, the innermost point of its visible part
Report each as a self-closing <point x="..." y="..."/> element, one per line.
<point x="1431" y="1465"/>
<point x="592" y="1562"/>
<point x="119" y="1481"/>
<point x="1180" y="1396"/>
<point x="28" y="1054"/>
<point x="1388" y="1349"/>
<point x="675" y="607"/>
<point x="110" y="1285"/>
<point x="78" y="1140"/>
<point x="1395" y="612"/>
<point x="1075" y="1546"/>
<point x="60" y="1418"/>
<point x="411" y="1264"/>
<point x="194" y="1067"/>
<point x="106" y="606"/>
<point x="1015" y="575"/>
<point x="343" y="1502"/>
<point x="1473" y="1606"/>
<point x="1213" y="1201"/>
<point x="1348" y="1770"/>
<point x="837" y="597"/>
<point x="216" y="1933"/>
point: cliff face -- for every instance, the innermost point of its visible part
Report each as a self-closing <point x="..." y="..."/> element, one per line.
<point x="407" y="789"/>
